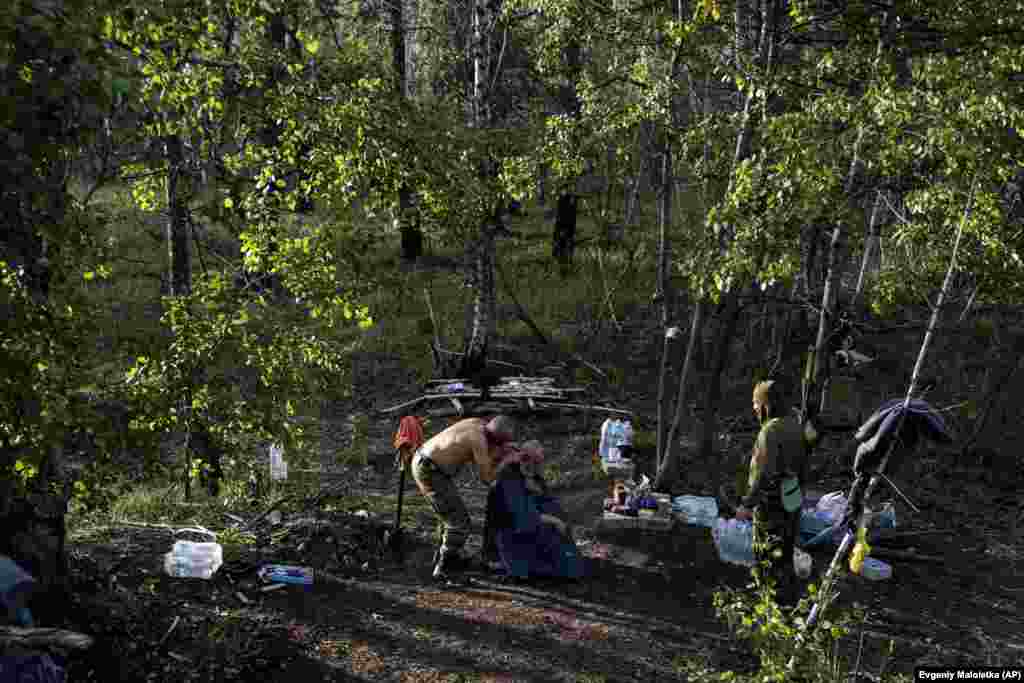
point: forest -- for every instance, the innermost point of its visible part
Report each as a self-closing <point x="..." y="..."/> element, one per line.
<point x="243" y="226"/>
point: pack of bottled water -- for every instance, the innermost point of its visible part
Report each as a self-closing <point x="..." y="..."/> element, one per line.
<point x="734" y="539"/>
<point x="696" y="510"/>
<point x="189" y="559"/>
<point x="278" y="465"/>
<point x="615" y="433"/>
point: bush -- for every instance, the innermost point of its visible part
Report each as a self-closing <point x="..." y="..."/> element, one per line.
<point x="773" y="633"/>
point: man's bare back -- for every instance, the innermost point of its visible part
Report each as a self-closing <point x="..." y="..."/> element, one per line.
<point x="462" y="443"/>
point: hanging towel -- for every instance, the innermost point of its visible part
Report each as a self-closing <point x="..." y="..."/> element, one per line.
<point x="410" y="433"/>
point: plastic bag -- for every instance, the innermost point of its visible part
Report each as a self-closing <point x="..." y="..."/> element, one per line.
<point x="834" y="505"/>
<point x="802" y="563"/>
<point x="698" y="510"/>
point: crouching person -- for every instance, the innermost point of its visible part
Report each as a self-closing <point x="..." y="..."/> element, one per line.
<point x="436" y="464"/>
<point x="531" y="538"/>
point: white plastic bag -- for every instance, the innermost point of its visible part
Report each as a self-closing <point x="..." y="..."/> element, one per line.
<point x="834" y="505"/>
<point x="802" y="563"/>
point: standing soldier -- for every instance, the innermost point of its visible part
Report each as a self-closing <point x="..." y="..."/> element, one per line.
<point x="778" y="473"/>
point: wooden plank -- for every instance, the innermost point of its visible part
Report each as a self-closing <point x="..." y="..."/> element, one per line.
<point x="408" y="404"/>
<point x="588" y="407"/>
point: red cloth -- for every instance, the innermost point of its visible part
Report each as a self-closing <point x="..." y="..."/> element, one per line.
<point x="410" y="433"/>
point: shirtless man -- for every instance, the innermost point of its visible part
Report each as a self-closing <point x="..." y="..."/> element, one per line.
<point x="435" y="465"/>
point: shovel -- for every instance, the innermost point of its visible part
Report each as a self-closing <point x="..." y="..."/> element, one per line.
<point x="396" y="535"/>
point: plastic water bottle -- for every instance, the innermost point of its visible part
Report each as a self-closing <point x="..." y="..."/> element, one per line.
<point x="602" y="449"/>
<point x="698" y="510"/>
<point x="627" y="433"/>
<point x="887" y="517"/>
<point x="278" y="467"/>
<point x="734" y="540"/>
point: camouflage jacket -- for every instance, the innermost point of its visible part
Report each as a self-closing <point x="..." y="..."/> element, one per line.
<point x="779" y="452"/>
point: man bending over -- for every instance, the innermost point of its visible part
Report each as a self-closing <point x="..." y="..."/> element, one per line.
<point x="436" y="464"/>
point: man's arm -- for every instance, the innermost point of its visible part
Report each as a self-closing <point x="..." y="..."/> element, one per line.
<point x="482" y="456"/>
<point x="759" y="466"/>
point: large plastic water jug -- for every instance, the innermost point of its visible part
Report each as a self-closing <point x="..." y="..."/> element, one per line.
<point x="188" y="559"/>
<point x="16" y="587"/>
<point x="734" y="539"/>
<point x="697" y="510"/>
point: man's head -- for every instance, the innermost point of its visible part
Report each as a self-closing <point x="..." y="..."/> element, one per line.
<point x="768" y="399"/>
<point x="500" y="430"/>
<point x="533" y="452"/>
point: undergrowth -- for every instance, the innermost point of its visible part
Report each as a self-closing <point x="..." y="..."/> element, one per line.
<point x="775" y="636"/>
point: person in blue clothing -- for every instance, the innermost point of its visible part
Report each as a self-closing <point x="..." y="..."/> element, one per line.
<point x="529" y="537"/>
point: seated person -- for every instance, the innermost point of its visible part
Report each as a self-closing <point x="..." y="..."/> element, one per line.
<point x="526" y="534"/>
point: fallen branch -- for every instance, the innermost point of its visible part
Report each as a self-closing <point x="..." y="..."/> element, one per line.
<point x="887" y="534"/>
<point x="43" y="638"/>
<point x="474" y="394"/>
<point x="489" y="360"/>
<point x="528" y="321"/>
<point x="908" y="556"/>
<point x="273" y="506"/>
<point x="174" y="625"/>
<point x="587" y="407"/>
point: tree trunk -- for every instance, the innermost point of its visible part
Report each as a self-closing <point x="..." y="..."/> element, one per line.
<point x="662" y="294"/>
<point x="721" y="356"/>
<point x="870" y="246"/>
<point x="563" y="239"/>
<point x="668" y="468"/>
<point x="179" y="257"/>
<point x="474" y="362"/>
<point x="817" y="376"/>
<point x="407" y="219"/>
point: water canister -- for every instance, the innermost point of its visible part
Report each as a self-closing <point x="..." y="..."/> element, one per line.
<point x="697" y="510"/>
<point x="734" y="540"/>
<point x="188" y="559"/>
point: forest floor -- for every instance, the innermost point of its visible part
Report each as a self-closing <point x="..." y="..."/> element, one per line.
<point x="645" y="612"/>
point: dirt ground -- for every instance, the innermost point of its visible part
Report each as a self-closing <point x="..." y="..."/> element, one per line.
<point x="646" y="606"/>
<point x="647" y="603"/>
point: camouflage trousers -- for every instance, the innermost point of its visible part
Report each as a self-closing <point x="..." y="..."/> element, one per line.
<point x="440" y="490"/>
<point x="775" y="535"/>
